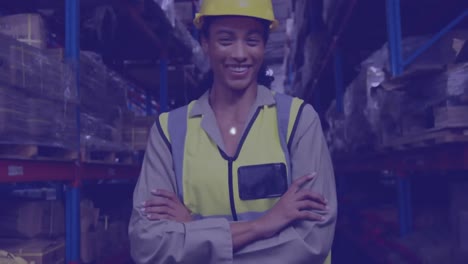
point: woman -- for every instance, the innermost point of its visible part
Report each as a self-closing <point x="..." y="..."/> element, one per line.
<point x="240" y="175"/>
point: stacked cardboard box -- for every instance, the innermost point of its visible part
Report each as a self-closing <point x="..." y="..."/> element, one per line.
<point x="30" y="219"/>
<point x="33" y="230"/>
<point x="37" y="100"/>
<point x="102" y="235"/>
<point x="136" y="131"/>
<point x="381" y="111"/>
<point x="27" y="28"/>
<point x="38" y="93"/>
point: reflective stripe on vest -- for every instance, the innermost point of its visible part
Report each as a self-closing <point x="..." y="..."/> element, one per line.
<point x="196" y="158"/>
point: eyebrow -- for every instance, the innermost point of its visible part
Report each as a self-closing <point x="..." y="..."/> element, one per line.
<point x="224" y="31"/>
<point x="230" y="32"/>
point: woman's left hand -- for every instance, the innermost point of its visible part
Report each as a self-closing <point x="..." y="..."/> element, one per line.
<point x="166" y="205"/>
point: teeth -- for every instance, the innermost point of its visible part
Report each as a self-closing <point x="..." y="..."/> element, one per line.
<point x="238" y="68"/>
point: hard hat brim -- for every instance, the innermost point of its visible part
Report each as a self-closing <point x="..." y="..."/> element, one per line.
<point x="198" y="20"/>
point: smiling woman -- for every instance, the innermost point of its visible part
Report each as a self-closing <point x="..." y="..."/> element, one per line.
<point x="235" y="47"/>
<point x="256" y="39"/>
<point x="240" y="175"/>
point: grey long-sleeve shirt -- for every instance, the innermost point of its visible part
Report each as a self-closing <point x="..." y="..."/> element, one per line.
<point x="209" y="240"/>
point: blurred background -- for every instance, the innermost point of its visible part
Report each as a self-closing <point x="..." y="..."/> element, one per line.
<point x="82" y="81"/>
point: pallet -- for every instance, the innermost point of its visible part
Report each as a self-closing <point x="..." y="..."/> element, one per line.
<point x="36" y="152"/>
<point x="428" y="138"/>
<point x="107" y="157"/>
<point x="451" y="116"/>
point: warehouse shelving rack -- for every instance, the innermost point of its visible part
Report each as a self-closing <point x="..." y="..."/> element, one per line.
<point x="402" y="164"/>
<point x="73" y="173"/>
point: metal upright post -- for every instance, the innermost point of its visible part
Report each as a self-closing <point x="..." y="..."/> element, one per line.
<point x="394" y="36"/>
<point x="396" y="61"/>
<point x="404" y="204"/>
<point x="72" y="56"/>
<point x="163" y="90"/>
<point x="401" y="206"/>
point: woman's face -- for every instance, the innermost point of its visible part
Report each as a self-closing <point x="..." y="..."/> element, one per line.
<point x="235" y="47"/>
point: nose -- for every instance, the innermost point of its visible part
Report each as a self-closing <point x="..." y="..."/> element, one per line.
<point x="239" y="51"/>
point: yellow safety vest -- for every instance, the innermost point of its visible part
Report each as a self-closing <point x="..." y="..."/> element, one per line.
<point x="201" y="166"/>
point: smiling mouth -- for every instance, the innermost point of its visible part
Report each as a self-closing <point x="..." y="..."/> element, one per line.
<point x="238" y="68"/>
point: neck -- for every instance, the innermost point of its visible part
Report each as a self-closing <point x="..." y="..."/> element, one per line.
<point x="232" y="103"/>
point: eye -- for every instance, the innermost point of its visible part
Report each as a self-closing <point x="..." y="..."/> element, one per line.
<point x="225" y="40"/>
<point x="253" y="41"/>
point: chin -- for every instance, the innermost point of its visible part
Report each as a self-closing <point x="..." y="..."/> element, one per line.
<point x="238" y="86"/>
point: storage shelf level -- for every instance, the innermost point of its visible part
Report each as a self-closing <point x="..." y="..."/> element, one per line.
<point x="17" y="170"/>
<point x="447" y="157"/>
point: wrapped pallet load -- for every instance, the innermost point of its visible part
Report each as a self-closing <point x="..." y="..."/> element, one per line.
<point x="37" y="97"/>
<point x="431" y="92"/>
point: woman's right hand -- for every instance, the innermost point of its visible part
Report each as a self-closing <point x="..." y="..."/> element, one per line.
<point x="295" y="204"/>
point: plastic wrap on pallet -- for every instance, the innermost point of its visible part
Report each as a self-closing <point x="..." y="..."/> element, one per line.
<point x="97" y="135"/>
<point x="37" y="97"/>
<point x="374" y="115"/>
<point x="335" y="132"/>
<point x="358" y="132"/>
<point x="443" y="52"/>
<point x="32" y="70"/>
<point x="350" y="131"/>
<point x="102" y="91"/>
<point x="27" y="119"/>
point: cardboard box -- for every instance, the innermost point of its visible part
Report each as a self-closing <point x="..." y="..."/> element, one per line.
<point x="136" y="131"/>
<point x="29" y="219"/>
<point x="27" y="28"/>
<point x="88" y="246"/>
<point x="36" y="251"/>
<point x="34" y="71"/>
<point x="111" y="237"/>
<point x="88" y="224"/>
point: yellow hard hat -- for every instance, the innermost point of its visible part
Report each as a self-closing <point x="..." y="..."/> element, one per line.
<point x="262" y="9"/>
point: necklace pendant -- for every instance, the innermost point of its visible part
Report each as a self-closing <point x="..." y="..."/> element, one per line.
<point x="232" y="131"/>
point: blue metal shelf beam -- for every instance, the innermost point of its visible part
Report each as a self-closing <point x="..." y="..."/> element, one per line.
<point x="435" y="38"/>
<point x="72" y="56"/>
<point x="398" y="63"/>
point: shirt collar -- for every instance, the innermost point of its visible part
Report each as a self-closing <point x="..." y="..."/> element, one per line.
<point x="202" y="105"/>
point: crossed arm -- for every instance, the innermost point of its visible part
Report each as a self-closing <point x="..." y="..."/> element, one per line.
<point x="292" y="232"/>
<point x="295" y="204"/>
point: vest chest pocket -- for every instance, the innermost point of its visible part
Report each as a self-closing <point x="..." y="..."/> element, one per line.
<point x="262" y="181"/>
